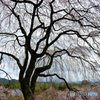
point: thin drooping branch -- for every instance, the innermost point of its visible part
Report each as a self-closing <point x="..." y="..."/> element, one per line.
<point x="17" y="17"/>
<point x="14" y="57"/>
<point x="73" y="32"/>
<point x="62" y="52"/>
<point x="61" y="78"/>
<point x="14" y="35"/>
<point x="32" y="21"/>
<point x="6" y="73"/>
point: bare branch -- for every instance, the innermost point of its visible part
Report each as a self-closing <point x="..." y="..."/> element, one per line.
<point x="7" y="75"/>
<point x="49" y="75"/>
<point x="14" y="57"/>
<point x="12" y="34"/>
<point x="24" y="1"/>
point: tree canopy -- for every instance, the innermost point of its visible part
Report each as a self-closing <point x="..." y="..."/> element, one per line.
<point x="44" y="34"/>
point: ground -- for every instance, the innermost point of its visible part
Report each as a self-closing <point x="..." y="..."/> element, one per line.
<point x="51" y="93"/>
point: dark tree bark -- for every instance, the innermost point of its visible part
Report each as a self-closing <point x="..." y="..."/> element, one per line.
<point x="26" y="90"/>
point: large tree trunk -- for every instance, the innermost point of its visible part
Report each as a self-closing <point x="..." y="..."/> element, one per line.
<point x="26" y="90"/>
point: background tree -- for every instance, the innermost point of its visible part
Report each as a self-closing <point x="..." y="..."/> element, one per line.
<point x="40" y="34"/>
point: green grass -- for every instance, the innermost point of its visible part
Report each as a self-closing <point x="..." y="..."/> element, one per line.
<point x="11" y="85"/>
<point x="75" y="84"/>
<point x="60" y="86"/>
<point x="42" y="86"/>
